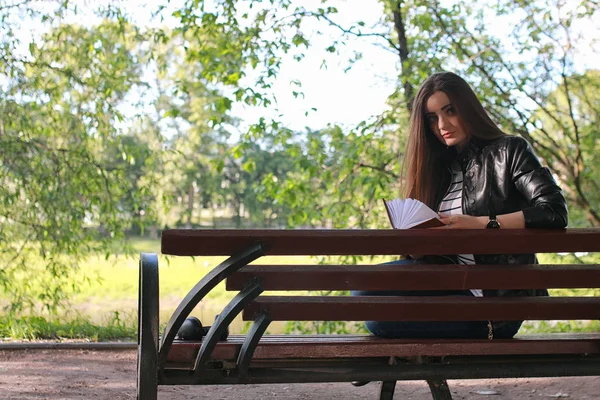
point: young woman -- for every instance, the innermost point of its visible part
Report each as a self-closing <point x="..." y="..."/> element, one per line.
<point x="461" y="164"/>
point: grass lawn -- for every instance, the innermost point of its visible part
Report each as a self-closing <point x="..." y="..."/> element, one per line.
<point x="106" y="308"/>
<point x="116" y="288"/>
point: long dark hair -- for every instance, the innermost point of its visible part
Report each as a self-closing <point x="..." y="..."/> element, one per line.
<point x="426" y="157"/>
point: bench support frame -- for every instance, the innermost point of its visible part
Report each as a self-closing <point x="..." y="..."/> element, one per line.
<point x="387" y="390"/>
<point x="231" y="310"/>
<point x="258" y="328"/>
<point x="198" y="292"/>
<point x="439" y="389"/>
<point x="473" y="367"/>
<point x="147" y="364"/>
<point x="152" y="352"/>
<point x="256" y="361"/>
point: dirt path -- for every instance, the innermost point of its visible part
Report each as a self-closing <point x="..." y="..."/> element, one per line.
<point x="81" y="374"/>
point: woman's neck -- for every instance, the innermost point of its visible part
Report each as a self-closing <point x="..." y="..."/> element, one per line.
<point x="461" y="147"/>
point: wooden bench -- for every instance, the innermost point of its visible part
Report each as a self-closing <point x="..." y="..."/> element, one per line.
<point x="257" y="358"/>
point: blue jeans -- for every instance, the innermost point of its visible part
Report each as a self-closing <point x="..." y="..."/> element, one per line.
<point x="435" y="329"/>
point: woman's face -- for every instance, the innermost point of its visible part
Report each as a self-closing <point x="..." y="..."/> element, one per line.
<point x="443" y="120"/>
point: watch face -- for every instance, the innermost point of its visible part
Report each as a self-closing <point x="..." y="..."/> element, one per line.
<point x="493" y="224"/>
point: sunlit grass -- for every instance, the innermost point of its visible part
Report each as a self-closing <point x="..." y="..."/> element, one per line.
<point x="113" y="291"/>
<point x="531" y="327"/>
<point x="40" y="328"/>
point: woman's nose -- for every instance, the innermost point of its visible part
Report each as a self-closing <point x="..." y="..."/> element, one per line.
<point x="443" y="123"/>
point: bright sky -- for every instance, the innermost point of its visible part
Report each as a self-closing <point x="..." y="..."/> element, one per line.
<point x="347" y="98"/>
<point x="339" y="97"/>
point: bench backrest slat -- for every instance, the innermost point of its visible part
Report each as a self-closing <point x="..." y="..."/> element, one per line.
<point x="413" y="308"/>
<point x="197" y="242"/>
<point x="416" y="277"/>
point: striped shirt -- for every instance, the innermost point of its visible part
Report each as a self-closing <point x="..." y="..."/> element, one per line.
<point x="452" y="205"/>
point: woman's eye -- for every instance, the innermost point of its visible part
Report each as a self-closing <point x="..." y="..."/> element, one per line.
<point x="432" y="118"/>
<point x="451" y="111"/>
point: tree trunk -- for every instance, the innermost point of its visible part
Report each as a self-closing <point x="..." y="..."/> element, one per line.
<point x="403" y="53"/>
<point x="190" y="206"/>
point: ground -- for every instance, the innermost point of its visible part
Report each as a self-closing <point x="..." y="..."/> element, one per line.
<point x="107" y="374"/>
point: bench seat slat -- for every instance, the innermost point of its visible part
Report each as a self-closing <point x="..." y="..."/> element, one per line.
<point x="315" y="242"/>
<point x="272" y="347"/>
<point x="416" y="277"/>
<point x="416" y="308"/>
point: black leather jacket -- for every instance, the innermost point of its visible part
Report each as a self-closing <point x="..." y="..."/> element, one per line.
<point x="502" y="176"/>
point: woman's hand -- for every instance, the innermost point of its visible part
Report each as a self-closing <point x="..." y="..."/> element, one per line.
<point x="463" y="222"/>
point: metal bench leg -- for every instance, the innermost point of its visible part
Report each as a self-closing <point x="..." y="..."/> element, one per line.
<point x="439" y="389"/>
<point x="231" y="310"/>
<point x="202" y="288"/>
<point x="387" y="390"/>
<point x="261" y="323"/>
<point x="147" y="359"/>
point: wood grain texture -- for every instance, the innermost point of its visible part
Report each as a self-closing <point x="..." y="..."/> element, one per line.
<point x="201" y="242"/>
<point x="416" y="277"/>
<point x="415" y="308"/>
<point x="273" y="347"/>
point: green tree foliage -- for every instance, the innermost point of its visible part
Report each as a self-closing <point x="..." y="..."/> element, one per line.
<point x="566" y="127"/>
<point x="517" y="72"/>
<point x="339" y="178"/>
<point x="102" y="122"/>
<point x="61" y="190"/>
<point x="192" y="120"/>
<point x="205" y="173"/>
<point x="532" y="85"/>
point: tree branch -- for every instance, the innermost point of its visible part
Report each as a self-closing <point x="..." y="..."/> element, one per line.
<point x="403" y="52"/>
<point x="514" y="79"/>
<point x="331" y="22"/>
<point x="351" y="32"/>
<point x="380" y="169"/>
<point x="524" y="120"/>
<point x="578" y="157"/>
<point x="22" y="3"/>
<point x="68" y="72"/>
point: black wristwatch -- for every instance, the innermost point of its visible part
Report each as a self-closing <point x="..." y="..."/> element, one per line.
<point x="493" y="223"/>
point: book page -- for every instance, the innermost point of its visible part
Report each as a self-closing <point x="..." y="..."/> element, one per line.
<point x="411" y="213"/>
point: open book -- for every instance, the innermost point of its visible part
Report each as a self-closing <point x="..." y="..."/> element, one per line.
<point x="411" y="213"/>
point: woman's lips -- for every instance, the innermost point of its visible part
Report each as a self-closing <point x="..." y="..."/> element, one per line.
<point x="447" y="134"/>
